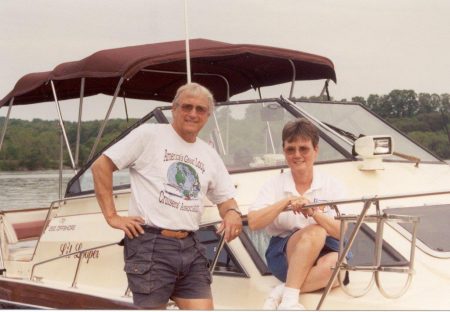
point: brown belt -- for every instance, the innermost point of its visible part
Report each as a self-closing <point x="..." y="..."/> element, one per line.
<point x="167" y="233"/>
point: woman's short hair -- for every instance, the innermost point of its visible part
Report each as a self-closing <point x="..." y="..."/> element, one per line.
<point x="194" y="89"/>
<point x="300" y="128"/>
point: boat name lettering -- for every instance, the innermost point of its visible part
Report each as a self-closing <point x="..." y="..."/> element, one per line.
<point x="67" y="248"/>
<point x="57" y="228"/>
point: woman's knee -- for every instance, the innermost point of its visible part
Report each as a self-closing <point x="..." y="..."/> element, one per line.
<point x="318" y="230"/>
<point x="312" y="237"/>
<point x="315" y="234"/>
<point x="327" y="262"/>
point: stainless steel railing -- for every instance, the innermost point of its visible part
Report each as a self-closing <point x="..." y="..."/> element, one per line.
<point x="380" y="219"/>
<point x="80" y="253"/>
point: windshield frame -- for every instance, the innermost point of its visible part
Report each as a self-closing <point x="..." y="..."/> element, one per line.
<point x="156" y="113"/>
<point x="438" y="160"/>
<point x="325" y="135"/>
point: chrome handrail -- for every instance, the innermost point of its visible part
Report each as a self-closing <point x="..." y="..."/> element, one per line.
<point x="218" y="250"/>
<point x="380" y="219"/>
<point x="375" y="269"/>
<point x="2" y="237"/>
<point x="81" y="252"/>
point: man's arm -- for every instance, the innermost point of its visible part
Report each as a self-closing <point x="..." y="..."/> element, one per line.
<point x="231" y="225"/>
<point x="102" y="172"/>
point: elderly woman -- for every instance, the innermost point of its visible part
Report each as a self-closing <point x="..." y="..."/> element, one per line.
<point x="303" y="247"/>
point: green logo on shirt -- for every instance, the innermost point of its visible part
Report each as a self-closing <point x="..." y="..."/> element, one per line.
<point x="183" y="181"/>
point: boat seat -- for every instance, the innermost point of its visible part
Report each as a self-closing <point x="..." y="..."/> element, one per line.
<point x="19" y="250"/>
<point x="9" y="231"/>
<point x="26" y="230"/>
<point x="22" y="251"/>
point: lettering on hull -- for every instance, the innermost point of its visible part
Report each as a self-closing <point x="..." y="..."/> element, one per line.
<point x="70" y="247"/>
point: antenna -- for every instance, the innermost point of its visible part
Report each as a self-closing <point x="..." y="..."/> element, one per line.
<point x="188" y="57"/>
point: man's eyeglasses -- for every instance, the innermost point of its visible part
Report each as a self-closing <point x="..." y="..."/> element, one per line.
<point x="303" y="150"/>
<point x="200" y="110"/>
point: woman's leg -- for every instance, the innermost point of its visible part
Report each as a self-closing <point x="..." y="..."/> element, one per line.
<point x="302" y="250"/>
<point x="320" y="274"/>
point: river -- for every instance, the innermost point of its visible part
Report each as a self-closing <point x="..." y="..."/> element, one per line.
<point x="33" y="189"/>
<point x="30" y="189"/>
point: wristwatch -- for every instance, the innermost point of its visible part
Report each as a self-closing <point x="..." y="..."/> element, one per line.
<point x="235" y="209"/>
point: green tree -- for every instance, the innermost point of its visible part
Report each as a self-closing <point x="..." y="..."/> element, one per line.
<point x="359" y="99"/>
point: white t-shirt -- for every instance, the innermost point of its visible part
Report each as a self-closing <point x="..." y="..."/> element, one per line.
<point x="323" y="188"/>
<point x="170" y="177"/>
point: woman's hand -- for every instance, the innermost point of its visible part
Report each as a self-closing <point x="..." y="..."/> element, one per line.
<point x="298" y="203"/>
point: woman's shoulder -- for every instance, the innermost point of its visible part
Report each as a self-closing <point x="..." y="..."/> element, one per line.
<point x="329" y="181"/>
<point x="279" y="179"/>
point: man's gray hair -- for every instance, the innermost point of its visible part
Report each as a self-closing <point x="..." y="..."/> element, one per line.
<point x="194" y="89"/>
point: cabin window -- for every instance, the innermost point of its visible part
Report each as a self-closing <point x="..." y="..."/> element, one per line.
<point x="256" y="242"/>
<point x="227" y="263"/>
<point x="432" y="230"/>
<point x="364" y="246"/>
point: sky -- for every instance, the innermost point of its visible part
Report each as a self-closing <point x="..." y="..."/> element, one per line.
<point x="376" y="45"/>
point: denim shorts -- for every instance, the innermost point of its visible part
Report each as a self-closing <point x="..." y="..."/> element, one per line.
<point x="159" y="268"/>
<point x="276" y="254"/>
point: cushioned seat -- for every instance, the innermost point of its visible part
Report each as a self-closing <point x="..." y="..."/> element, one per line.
<point x="16" y="250"/>
<point x="22" y="251"/>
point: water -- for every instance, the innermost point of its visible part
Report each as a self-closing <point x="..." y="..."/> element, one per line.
<point x="31" y="189"/>
<point x="36" y="188"/>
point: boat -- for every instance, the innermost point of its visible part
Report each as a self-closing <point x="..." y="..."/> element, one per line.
<point x="65" y="256"/>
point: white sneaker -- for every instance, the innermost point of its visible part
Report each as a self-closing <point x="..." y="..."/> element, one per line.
<point x="271" y="304"/>
<point x="274" y="298"/>
<point x="290" y="306"/>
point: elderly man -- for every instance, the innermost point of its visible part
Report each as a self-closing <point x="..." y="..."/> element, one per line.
<point x="171" y="170"/>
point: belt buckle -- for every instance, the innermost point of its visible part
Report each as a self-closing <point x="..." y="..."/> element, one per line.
<point x="174" y="234"/>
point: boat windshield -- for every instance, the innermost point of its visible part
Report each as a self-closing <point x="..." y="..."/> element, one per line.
<point x="247" y="135"/>
<point x="357" y="120"/>
<point x="83" y="182"/>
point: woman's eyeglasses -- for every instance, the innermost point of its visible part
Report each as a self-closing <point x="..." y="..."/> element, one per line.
<point x="303" y="150"/>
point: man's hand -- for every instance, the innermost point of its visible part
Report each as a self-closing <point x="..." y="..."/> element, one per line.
<point x="130" y="225"/>
<point x="231" y="225"/>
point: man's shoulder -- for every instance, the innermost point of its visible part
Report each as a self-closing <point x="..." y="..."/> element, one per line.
<point x="148" y="128"/>
<point x="206" y="146"/>
<point x="153" y="126"/>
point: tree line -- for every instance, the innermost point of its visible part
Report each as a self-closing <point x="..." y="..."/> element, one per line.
<point x="423" y="117"/>
<point x="34" y="145"/>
